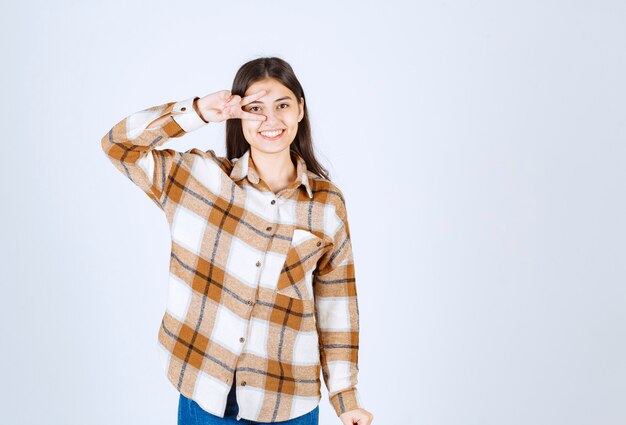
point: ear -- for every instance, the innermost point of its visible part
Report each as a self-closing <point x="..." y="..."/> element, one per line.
<point x="301" y="109"/>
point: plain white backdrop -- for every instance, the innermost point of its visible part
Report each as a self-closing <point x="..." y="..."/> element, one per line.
<point x="481" y="149"/>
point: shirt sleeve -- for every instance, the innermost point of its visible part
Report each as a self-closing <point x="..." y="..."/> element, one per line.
<point x="337" y="315"/>
<point x="132" y="147"/>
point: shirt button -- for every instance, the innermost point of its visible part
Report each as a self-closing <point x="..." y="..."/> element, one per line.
<point x="243" y="383"/>
<point x="318" y="243"/>
<point x="268" y="228"/>
<point x="258" y="263"/>
<point x="183" y="108"/>
<point x="273" y="201"/>
<point x="242" y="339"/>
<point x="250" y="302"/>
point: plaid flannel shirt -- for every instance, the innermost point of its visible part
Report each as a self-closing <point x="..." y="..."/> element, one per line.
<point x="261" y="289"/>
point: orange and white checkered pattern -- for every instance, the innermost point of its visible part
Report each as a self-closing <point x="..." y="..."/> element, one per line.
<point x="260" y="284"/>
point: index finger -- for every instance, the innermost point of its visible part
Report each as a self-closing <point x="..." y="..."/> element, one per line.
<point x="252" y="97"/>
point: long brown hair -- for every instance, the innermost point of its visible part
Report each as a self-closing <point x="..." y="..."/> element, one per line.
<point x="278" y="69"/>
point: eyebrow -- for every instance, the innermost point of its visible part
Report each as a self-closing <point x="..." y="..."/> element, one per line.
<point x="279" y="99"/>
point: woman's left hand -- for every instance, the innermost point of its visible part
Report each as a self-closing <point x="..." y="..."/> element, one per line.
<point x="357" y="416"/>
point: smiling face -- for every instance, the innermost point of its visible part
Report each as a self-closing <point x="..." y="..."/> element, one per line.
<point x="283" y="112"/>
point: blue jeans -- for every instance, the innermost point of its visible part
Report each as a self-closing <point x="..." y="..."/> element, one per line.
<point x="190" y="413"/>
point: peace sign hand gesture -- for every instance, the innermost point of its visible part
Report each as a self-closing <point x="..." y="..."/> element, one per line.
<point x="222" y="105"/>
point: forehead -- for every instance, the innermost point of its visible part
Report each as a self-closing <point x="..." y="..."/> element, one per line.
<point x="274" y="89"/>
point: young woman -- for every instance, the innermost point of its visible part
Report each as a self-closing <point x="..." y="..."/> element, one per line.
<point x="262" y="293"/>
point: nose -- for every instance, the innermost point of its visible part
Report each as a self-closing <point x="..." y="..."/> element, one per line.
<point x="271" y="118"/>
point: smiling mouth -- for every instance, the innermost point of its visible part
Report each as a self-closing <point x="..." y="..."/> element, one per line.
<point x="272" y="134"/>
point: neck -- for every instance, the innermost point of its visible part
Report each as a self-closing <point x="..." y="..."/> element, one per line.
<point x="275" y="169"/>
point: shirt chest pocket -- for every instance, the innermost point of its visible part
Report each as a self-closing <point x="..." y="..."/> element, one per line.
<point x="296" y="276"/>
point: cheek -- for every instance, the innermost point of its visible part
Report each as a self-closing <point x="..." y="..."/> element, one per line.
<point x="248" y="128"/>
<point x="292" y="120"/>
<point x="249" y="132"/>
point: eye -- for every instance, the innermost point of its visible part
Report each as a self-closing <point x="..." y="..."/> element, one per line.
<point x="286" y="105"/>
<point x="251" y="109"/>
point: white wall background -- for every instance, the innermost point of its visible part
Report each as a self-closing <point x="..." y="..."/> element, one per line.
<point x="481" y="148"/>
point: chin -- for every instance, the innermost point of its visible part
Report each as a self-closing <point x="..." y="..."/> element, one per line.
<point x="269" y="147"/>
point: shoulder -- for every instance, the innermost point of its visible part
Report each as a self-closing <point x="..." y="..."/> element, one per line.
<point x="329" y="193"/>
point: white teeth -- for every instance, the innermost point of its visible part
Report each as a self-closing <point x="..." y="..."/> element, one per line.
<point x="271" y="133"/>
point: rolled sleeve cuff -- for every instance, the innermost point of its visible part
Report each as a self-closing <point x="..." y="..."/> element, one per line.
<point x="346" y="400"/>
<point x="186" y="116"/>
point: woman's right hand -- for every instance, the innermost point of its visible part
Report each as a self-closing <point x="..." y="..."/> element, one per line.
<point x="221" y="105"/>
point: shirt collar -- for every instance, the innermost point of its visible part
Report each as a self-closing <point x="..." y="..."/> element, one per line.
<point x="245" y="167"/>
